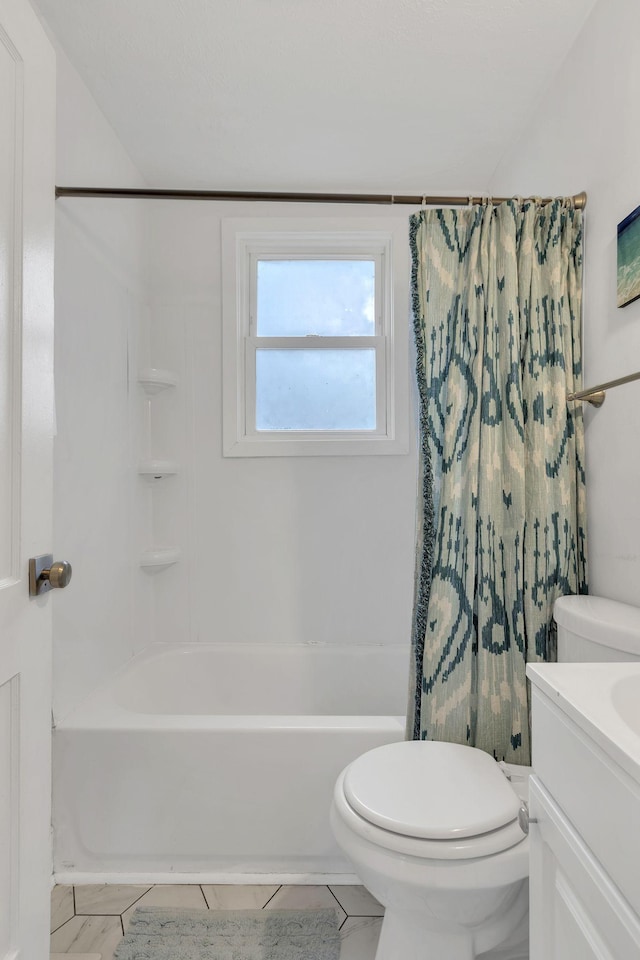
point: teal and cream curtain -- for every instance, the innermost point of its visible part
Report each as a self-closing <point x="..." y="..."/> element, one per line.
<point x="497" y="314"/>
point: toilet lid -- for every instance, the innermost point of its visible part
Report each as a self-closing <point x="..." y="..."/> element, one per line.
<point x="429" y="789"/>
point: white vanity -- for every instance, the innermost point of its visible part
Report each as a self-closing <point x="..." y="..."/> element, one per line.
<point x="585" y="808"/>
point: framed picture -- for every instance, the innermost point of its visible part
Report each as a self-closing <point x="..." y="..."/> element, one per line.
<point x="629" y="258"/>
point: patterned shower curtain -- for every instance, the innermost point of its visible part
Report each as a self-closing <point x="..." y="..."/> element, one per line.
<point x="497" y="316"/>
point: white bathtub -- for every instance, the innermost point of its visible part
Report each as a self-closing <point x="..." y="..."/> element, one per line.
<point x="219" y="761"/>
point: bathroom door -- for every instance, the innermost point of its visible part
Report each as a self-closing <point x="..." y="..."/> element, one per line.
<point x="27" y="156"/>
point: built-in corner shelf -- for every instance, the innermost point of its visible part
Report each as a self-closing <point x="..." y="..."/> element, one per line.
<point x="159" y="559"/>
<point x="157" y="469"/>
<point x="153" y="380"/>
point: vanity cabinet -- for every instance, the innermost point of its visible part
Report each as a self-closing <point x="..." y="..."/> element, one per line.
<point x="584" y="838"/>
<point x="577" y="912"/>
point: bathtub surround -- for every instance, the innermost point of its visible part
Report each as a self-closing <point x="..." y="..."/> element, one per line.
<point x="231" y="935"/>
<point x="324" y="548"/>
<point x="497" y="312"/>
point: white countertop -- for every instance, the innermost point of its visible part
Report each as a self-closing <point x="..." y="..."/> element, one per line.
<point x="586" y="692"/>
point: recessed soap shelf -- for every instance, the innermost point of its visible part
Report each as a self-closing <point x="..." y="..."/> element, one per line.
<point x="159" y="559"/>
<point x="157" y="469"/>
<point x="154" y="380"/>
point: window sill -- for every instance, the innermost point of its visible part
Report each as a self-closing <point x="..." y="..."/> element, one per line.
<point x="314" y="446"/>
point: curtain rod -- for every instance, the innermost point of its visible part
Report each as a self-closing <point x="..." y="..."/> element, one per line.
<point x="579" y="200"/>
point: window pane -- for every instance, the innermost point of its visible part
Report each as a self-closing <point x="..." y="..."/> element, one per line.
<point x="316" y="389"/>
<point x="322" y="297"/>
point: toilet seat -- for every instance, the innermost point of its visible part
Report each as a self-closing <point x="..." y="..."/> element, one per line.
<point x="430" y="799"/>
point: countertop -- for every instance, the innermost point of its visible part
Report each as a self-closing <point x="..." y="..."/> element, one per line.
<point x="590" y="694"/>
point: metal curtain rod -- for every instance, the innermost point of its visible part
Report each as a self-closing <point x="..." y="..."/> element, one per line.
<point x="595" y="395"/>
<point x="579" y="201"/>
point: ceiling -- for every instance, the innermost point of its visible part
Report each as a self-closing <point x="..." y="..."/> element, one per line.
<point x="385" y="96"/>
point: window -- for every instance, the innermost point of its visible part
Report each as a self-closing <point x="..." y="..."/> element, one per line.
<point x="312" y="361"/>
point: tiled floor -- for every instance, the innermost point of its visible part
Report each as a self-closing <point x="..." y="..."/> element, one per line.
<point x="89" y="921"/>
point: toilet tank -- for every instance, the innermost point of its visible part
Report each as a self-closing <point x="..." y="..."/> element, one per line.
<point x="593" y="630"/>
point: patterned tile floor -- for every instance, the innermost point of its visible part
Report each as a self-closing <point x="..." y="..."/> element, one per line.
<point x="88" y="922"/>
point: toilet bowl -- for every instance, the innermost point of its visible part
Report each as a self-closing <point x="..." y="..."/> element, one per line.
<point x="432" y="830"/>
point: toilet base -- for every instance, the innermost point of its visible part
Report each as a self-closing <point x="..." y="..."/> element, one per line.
<point x="516" y="947"/>
<point x="409" y="935"/>
<point x="404" y="935"/>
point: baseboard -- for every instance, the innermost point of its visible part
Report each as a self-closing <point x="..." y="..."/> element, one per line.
<point x="71" y="877"/>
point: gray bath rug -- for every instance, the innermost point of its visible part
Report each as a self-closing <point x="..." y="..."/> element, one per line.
<point x="159" y="934"/>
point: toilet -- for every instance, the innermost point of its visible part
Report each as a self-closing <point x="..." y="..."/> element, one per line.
<point x="437" y="832"/>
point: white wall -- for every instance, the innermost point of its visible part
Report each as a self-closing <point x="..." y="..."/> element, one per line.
<point x="586" y="135"/>
<point x="274" y="550"/>
<point x="309" y="549"/>
<point x="102" y="509"/>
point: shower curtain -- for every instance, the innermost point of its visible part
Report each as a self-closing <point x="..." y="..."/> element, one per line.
<point x="501" y="533"/>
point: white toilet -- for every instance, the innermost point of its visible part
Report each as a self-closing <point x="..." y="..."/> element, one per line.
<point x="433" y="829"/>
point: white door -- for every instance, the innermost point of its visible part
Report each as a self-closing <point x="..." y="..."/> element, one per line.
<point x="27" y="137"/>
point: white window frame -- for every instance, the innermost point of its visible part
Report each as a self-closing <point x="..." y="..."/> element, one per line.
<point x="244" y="242"/>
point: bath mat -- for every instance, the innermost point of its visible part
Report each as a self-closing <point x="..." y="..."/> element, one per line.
<point x="159" y="934"/>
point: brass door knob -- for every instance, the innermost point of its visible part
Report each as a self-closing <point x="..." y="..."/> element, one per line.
<point x="58" y="574"/>
<point x="44" y="574"/>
